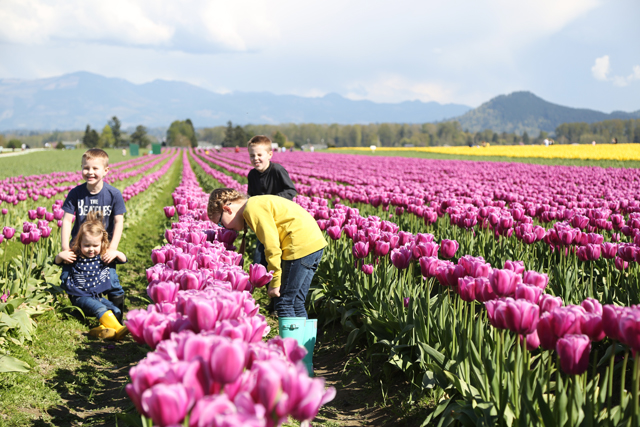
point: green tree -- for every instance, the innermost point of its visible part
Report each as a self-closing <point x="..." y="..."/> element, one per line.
<point x="14" y="143"/>
<point x="114" y="124"/>
<point x="181" y="134"/>
<point x="229" y="135"/>
<point x="107" y="139"/>
<point x="59" y="145"/>
<point x="140" y="136"/>
<point x="239" y="137"/>
<point x="91" y="139"/>
<point x="280" y="139"/>
<point x="192" y="137"/>
<point x="525" y="137"/>
<point x="385" y="134"/>
<point x="355" y="136"/>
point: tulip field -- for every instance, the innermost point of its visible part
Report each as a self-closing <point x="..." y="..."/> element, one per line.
<point x="502" y="293"/>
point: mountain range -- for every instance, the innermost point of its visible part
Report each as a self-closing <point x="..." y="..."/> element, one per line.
<point x="74" y="100"/>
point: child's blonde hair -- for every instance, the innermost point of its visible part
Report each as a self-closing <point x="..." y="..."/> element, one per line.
<point x="220" y="197"/>
<point x="260" y="140"/>
<point x="96" y="153"/>
<point x="94" y="227"/>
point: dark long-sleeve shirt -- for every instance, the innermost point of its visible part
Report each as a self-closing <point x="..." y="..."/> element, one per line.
<point x="275" y="180"/>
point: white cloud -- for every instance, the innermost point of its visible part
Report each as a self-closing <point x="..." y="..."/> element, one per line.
<point x="396" y="88"/>
<point x="195" y="26"/>
<point x="602" y="69"/>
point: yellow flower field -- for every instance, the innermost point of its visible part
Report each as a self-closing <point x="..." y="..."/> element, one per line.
<point x="583" y="152"/>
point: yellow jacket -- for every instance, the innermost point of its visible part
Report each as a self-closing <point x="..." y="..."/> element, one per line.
<point x="287" y="231"/>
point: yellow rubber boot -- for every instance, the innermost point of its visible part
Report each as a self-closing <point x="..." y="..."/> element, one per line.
<point x="102" y="332"/>
<point x="108" y="320"/>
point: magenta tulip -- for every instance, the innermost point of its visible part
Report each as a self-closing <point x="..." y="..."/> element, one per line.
<point x="429" y="266"/>
<point x="533" y="341"/>
<point x="25" y="238"/>
<point x="163" y="291"/>
<point x="621" y="264"/>
<point x="381" y="248"/>
<point x="8" y="232"/>
<point x="519" y="316"/>
<point x="467" y="288"/>
<point x="32" y="214"/>
<point x="504" y="282"/>
<point x="591" y="326"/>
<point x="516" y="266"/>
<point x="592" y="305"/>
<point x="630" y="328"/>
<point x="227" y="361"/>
<point x="401" y="258"/>
<point x="528" y="292"/>
<point x="258" y="275"/>
<point x="367" y="269"/>
<point x="166" y="404"/>
<point x="573" y="350"/>
<point x="169" y="211"/>
<point x="539" y="280"/>
<point x="361" y="249"/>
<point x="548" y="303"/>
<point x="448" y="248"/>
<point x="334" y="232"/>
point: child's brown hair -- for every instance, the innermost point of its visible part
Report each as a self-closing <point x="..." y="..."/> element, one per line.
<point x="92" y="226"/>
<point x="96" y="153"/>
<point x="260" y="140"/>
<point x="218" y="199"/>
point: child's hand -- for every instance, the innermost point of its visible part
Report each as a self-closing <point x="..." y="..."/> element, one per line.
<point x="109" y="256"/>
<point x="68" y="256"/>
<point x="273" y="292"/>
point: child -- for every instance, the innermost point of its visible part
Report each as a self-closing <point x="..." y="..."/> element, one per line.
<point x="89" y="276"/>
<point x="291" y="237"/>
<point x="266" y="178"/>
<point x="95" y="196"/>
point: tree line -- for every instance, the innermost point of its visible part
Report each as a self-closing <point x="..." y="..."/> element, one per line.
<point x="112" y="136"/>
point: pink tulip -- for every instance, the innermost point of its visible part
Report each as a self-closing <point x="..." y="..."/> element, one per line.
<point x="528" y="292"/>
<point x="258" y="275"/>
<point x="504" y="282"/>
<point x="429" y="266"/>
<point x="8" y="232"/>
<point x="401" y="258"/>
<point x="592" y="305"/>
<point x="381" y="248"/>
<point x="516" y="266"/>
<point x="591" y="326"/>
<point x="448" y="248"/>
<point x="25" y="238"/>
<point x="360" y="249"/>
<point x="5" y="211"/>
<point x="467" y="288"/>
<point x="534" y="278"/>
<point x="169" y="211"/>
<point x="533" y="341"/>
<point x="519" y="316"/>
<point x="573" y="351"/>
<point x="32" y="214"/>
<point x="548" y="303"/>
<point x="48" y="216"/>
<point x="40" y="212"/>
<point x="621" y="264"/>
<point x="630" y="328"/>
<point x="227" y="361"/>
<point x="166" y="404"/>
<point x="367" y="269"/>
<point x="558" y="323"/>
<point x="334" y="232"/>
<point x="163" y="291"/>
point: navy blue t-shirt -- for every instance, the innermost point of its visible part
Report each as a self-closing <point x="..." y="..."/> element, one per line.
<point x="108" y="201"/>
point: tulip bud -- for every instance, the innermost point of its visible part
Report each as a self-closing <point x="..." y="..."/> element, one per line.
<point x="573" y="351"/>
<point x="448" y="248"/>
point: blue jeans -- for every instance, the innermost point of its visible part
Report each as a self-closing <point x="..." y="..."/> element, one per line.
<point x="94" y="306"/>
<point x="116" y="287"/>
<point x="258" y="254"/>
<point x="296" y="280"/>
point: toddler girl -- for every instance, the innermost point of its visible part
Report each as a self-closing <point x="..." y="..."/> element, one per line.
<point x="89" y="277"/>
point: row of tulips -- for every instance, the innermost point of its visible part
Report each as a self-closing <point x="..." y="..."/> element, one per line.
<point x="494" y="364"/>
<point x="210" y="366"/>
<point x="569" y="330"/>
<point x="479" y="218"/>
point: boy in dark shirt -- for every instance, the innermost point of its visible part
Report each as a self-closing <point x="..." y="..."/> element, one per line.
<point x="95" y="195"/>
<point x="266" y="178"/>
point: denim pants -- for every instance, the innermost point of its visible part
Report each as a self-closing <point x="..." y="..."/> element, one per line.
<point x="94" y="306"/>
<point x="296" y="280"/>
<point x="116" y="287"/>
<point x="258" y="255"/>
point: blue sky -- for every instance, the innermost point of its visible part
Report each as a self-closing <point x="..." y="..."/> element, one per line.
<point x="578" y="53"/>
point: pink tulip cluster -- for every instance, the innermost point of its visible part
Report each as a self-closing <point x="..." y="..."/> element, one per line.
<point x="221" y="381"/>
<point x="210" y="362"/>
<point x="144" y="183"/>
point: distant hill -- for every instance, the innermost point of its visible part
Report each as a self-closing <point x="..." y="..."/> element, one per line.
<point x="524" y="111"/>
<point x="74" y="100"/>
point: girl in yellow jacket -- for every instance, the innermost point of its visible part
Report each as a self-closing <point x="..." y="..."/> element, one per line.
<point x="291" y="237"/>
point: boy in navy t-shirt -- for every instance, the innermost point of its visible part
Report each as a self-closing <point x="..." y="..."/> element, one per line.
<point x="95" y="195"/>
